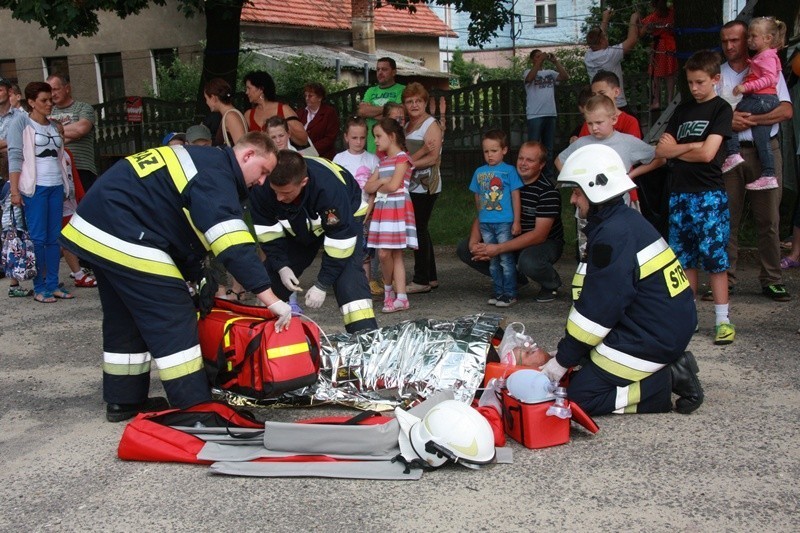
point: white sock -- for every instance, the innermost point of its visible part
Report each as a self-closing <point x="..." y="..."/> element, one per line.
<point x="402" y="296"/>
<point x="721" y="312"/>
<point x="79" y="274"/>
<point x="387" y="288"/>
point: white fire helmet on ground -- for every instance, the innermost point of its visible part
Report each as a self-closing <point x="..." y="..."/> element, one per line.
<point x="529" y="386"/>
<point x="450" y="431"/>
<point x="598" y="171"/>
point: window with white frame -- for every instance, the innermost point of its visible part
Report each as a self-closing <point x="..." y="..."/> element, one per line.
<point x="545" y="12"/>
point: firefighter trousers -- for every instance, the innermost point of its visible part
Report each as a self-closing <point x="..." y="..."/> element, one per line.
<point x="599" y="392"/>
<point x="351" y="287"/>
<point x="144" y="321"/>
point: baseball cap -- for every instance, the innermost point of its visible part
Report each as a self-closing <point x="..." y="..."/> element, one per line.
<point x="198" y="132"/>
<point x="173" y="135"/>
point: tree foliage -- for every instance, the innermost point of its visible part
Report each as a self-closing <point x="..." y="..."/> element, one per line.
<point x="293" y="74"/>
<point x="68" y="19"/>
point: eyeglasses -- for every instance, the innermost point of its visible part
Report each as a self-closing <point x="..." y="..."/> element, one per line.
<point x="44" y="139"/>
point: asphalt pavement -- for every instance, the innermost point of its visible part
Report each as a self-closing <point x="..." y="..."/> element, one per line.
<point x="733" y="465"/>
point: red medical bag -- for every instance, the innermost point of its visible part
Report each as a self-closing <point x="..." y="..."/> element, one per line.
<point x="243" y="353"/>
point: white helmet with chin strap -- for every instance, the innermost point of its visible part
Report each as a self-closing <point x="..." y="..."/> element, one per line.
<point x="450" y="431"/>
<point x="598" y="171"/>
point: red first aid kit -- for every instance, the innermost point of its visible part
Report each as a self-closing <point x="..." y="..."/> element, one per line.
<point x="528" y="423"/>
<point x="243" y="353"/>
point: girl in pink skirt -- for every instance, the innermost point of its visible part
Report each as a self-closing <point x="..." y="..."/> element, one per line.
<point x="392" y="228"/>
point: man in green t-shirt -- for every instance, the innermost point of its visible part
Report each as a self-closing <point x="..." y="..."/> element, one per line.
<point x="387" y="90"/>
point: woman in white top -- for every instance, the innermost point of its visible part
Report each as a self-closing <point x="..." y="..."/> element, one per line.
<point x="38" y="176"/>
<point x="424" y="144"/>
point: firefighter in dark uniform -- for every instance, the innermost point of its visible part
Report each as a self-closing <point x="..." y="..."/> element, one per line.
<point x="633" y="312"/>
<point x="145" y="226"/>
<point x="310" y="203"/>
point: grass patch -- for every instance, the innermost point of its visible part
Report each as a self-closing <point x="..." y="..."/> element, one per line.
<point x="455" y="210"/>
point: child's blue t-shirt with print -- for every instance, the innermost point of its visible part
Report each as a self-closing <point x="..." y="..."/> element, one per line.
<point x="494" y="184"/>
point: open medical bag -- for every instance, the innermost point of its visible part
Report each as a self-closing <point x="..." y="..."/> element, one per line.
<point x="243" y="353"/>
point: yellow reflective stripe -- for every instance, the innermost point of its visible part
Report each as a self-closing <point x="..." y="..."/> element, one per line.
<point x="180" y="364"/>
<point x="287" y="227"/>
<point x="330" y="165"/>
<point x="231" y="239"/>
<point x="174" y="156"/>
<point x="357" y="310"/>
<point x="339" y="248"/>
<point x="315" y="226"/>
<point x="283" y="351"/>
<point x="268" y="233"/>
<point x="617" y="369"/>
<point x="654" y="257"/>
<point x="180" y="371"/>
<point x="227" y="337"/>
<point x="226" y="226"/>
<point x="585" y="330"/>
<point x="134" y="256"/>
<point x="628" y="360"/>
<point x="126" y="364"/>
<point x="126" y="370"/>
<point x="634" y="396"/>
<point x="355" y="316"/>
<point x="577" y="281"/>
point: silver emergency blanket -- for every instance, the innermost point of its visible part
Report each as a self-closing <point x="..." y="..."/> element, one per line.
<point x="398" y="364"/>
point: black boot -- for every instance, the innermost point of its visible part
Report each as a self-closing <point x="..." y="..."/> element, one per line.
<point x="685" y="384"/>
<point x="117" y="412"/>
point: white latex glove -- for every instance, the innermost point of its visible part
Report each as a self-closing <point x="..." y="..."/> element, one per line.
<point x="553" y="370"/>
<point x="284" y="313"/>
<point x="289" y="279"/>
<point x="314" y="297"/>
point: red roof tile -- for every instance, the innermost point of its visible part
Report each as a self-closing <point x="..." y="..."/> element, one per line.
<point x="335" y="15"/>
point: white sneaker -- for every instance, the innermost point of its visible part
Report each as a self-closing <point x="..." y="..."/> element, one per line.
<point x="764" y="183"/>
<point x="731" y="162"/>
<point x="505" y="301"/>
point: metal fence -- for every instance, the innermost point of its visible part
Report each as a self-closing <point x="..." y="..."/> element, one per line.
<point x="466" y="113"/>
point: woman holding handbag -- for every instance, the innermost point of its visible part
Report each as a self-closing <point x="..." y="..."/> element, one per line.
<point x="38" y="176"/>
<point x="219" y="100"/>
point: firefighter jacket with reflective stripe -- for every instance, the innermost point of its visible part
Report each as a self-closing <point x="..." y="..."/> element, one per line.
<point x="634" y="311"/>
<point x="158" y="213"/>
<point x="329" y="208"/>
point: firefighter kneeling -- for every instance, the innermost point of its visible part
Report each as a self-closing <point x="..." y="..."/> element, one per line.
<point x="310" y="203"/>
<point x="633" y="312"/>
<point x="145" y="226"/>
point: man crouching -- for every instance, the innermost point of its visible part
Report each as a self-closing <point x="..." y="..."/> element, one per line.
<point x="633" y="312"/>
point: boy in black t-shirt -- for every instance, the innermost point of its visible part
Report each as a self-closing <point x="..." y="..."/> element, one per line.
<point x="699" y="221"/>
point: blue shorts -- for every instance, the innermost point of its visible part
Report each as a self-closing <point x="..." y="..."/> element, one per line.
<point x="699" y="229"/>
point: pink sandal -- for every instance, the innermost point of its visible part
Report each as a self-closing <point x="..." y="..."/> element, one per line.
<point x="787" y="263"/>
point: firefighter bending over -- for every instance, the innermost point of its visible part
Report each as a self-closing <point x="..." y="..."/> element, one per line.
<point x="146" y="226"/>
<point x="310" y="203"/>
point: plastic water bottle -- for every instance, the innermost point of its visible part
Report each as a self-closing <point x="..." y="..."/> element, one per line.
<point x="560" y="407"/>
